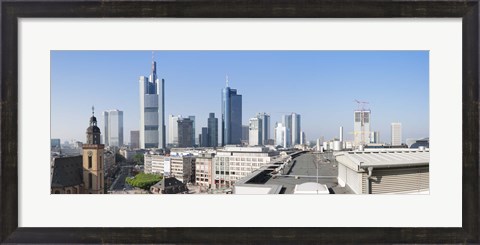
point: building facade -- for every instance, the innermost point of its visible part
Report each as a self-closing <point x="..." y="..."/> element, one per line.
<point x="185" y="129"/>
<point x="361" y="127"/>
<point x="212" y="130"/>
<point x="134" y="139"/>
<point x="173" y="129"/>
<point x="93" y="160"/>
<point x="152" y="110"/>
<point x="282" y="134"/>
<point x="180" y="167"/>
<point x="234" y="163"/>
<point x="265" y="127"/>
<point x="296" y="129"/>
<point x="204" y="170"/>
<point x="231" y="116"/>
<point x="204" y="137"/>
<point x="396" y="131"/>
<point x="255" y="132"/>
<point x="113" y="130"/>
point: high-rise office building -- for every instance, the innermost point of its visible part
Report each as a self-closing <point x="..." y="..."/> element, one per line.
<point x="134" y="139"/>
<point x="152" y="110"/>
<point x="361" y="127"/>
<point x="113" y="130"/>
<point x="396" y="133"/>
<point x="203" y="138"/>
<point x="303" y="140"/>
<point x="193" y="133"/>
<point x="282" y="136"/>
<point x="265" y="127"/>
<point x="185" y="128"/>
<point x="296" y="129"/>
<point x="245" y="132"/>
<point x="231" y="116"/>
<point x="212" y="130"/>
<point x="255" y="131"/>
<point x="173" y="129"/>
<point x="287" y="123"/>
<point x="375" y="137"/>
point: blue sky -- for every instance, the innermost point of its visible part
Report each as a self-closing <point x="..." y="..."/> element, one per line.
<point x="319" y="85"/>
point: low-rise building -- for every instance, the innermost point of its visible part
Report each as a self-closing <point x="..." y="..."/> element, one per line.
<point x="233" y="163"/>
<point x="181" y="167"/>
<point x="384" y="171"/>
<point x="169" y="185"/>
<point x="204" y="170"/>
<point x="67" y="175"/>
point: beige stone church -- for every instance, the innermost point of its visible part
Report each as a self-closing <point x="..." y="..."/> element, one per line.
<point x="81" y="174"/>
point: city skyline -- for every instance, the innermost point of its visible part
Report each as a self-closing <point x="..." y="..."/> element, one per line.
<point x="394" y="82"/>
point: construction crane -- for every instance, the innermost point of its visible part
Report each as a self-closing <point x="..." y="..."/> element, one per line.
<point x="361" y="108"/>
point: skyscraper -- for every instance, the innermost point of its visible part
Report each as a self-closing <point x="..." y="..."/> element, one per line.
<point x="231" y="116"/>
<point x="265" y="127"/>
<point x="185" y="128"/>
<point x="203" y="138"/>
<point x="361" y="127"/>
<point x="245" y="132"/>
<point x="134" y="139"/>
<point x="173" y="129"/>
<point x="152" y="110"/>
<point x="296" y="129"/>
<point x="212" y="130"/>
<point x="193" y="133"/>
<point x="255" y="131"/>
<point x="396" y="133"/>
<point x="113" y="130"/>
<point x="282" y="135"/>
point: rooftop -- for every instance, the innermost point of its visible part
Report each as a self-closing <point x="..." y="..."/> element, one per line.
<point x="384" y="158"/>
<point x="302" y="169"/>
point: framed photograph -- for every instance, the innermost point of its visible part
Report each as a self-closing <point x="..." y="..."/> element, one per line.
<point x="257" y="112"/>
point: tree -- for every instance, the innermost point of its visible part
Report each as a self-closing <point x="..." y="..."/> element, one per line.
<point x="138" y="159"/>
<point x="143" y="180"/>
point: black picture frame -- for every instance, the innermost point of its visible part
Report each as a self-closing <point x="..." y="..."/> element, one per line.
<point x="468" y="10"/>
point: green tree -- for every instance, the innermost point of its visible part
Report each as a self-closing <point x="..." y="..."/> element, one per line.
<point x="143" y="181"/>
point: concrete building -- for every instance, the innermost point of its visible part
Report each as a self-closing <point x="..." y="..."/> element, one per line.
<point x="212" y="130"/>
<point x="180" y="167"/>
<point x="204" y="170"/>
<point x="234" y="163"/>
<point x="185" y="129"/>
<point x="265" y="127"/>
<point x="152" y="110"/>
<point x="173" y="129"/>
<point x="255" y="132"/>
<point x="113" y="128"/>
<point x="302" y="138"/>
<point x="396" y="132"/>
<point x="282" y="136"/>
<point x="231" y="116"/>
<point x="134" y="139"/>
<point x="361" y="127"/>
<point x="384" y="171"/>
<point x="55" y="145"/>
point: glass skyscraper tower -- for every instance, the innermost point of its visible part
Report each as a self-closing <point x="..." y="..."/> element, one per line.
<point x="113" y="133"/>
<point x="152" y="110"/>
<point x="231" y="116"/>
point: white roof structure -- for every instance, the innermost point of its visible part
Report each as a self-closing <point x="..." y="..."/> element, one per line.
<point x="382" y="158"/>
<point x="311" y="188"/>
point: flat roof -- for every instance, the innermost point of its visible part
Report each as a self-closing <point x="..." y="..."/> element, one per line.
<point x="301" y="170"/>
<point x="383" y="158"/>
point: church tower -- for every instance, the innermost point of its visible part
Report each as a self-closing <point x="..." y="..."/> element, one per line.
<point x="93" y="179"/>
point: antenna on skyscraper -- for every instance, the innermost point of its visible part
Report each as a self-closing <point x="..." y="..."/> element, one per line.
<point x="226" y="79"/>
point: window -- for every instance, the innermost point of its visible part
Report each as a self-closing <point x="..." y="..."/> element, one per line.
<point x="89" y="162"/>
<point x="90" y="181"/>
